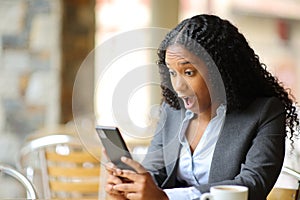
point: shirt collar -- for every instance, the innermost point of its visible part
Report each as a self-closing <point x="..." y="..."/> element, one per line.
<point x="189" y="115"/>
<point x="221" y="110"/>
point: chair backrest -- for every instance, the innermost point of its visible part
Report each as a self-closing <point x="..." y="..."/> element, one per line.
<point x="9" y="170"/>
<point x="286" y="193"/>
<point x="283" y="194"/>
<point x="67" y="169"/>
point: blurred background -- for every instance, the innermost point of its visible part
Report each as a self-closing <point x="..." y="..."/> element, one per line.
<point x="44" y="42"/>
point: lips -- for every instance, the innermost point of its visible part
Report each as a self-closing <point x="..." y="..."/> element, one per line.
<point x="188" y="101"/>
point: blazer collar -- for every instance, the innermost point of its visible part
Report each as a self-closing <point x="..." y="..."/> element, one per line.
<point x="174" y="146"/>
<point x="224" y="142"/>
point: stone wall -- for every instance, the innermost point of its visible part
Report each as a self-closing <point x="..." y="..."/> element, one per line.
<point x="29" y="70"/>
<point x="42" y="45"/>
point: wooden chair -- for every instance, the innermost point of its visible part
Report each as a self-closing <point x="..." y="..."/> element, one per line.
<point x="283" y="194"/>
<point x="286" y="193"/>
<point x="68" y="171"/>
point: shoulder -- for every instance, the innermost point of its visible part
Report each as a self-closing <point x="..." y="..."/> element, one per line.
<point x="264" y="105"/>
<point x="169" y="118"/>
<point x="270" y="102"/>
<point x="267" y="106"/>
<point x="166" y="111"/>
<point x="260" y="111"/>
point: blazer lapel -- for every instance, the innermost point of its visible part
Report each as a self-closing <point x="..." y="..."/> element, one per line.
<point x="218" y="165"/>
<point x="172" y="149"/>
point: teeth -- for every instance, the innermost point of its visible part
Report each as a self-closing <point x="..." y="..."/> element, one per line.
<point x="186" y="100"/>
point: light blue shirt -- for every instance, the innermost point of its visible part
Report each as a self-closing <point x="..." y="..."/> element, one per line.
<point x="194" y="168"/>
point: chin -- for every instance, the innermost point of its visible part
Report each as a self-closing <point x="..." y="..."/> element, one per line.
<point x="193" y="109"/>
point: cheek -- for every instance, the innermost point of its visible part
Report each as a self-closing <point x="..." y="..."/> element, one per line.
<point x="200" y="88"/>
<point x="172" y="81"/>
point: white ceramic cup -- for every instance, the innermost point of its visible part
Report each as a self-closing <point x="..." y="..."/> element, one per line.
<point x="226" y="192"/>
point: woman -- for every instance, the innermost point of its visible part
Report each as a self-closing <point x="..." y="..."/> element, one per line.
<point x="224" y="119"/>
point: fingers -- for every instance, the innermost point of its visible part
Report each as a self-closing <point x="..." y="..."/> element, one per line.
<point x="111" y="179"/>
<point x="113" y="194"/>
<point x="112" y="169"/>
<point x="133" y="196"/>
<point x="109" y="188"/>
<point x="125" y="187"/>
<point x="130" y="175"/>
<point x="134" y="178"/>
<point x="135" y="165"/>
<point x="110" y="183"/>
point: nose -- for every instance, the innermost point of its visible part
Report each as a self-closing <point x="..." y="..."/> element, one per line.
<point x="179" y="84"/>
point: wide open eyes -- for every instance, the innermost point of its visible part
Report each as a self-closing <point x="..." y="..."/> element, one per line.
<point x="172" y="72"/>
<point x="189" y="72"/>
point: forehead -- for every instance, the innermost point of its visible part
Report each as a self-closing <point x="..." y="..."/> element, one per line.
<point x="179" y="52"/>
<point x="175" y="51"/>
<point x="175" y="54"/>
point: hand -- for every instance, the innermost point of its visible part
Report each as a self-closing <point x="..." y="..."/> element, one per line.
<point x="111" y="181"/>
<point x="142" y="186"/>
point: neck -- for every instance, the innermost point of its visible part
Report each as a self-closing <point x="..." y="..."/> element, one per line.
<point x="208" y="113"/>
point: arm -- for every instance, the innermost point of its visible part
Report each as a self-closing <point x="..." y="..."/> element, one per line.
<point x="141" y="185"/>
<point x="154" y="159"/>
<point x="263" y="142"/>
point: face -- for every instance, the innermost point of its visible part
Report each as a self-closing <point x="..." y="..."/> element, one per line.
<point x="187" y="74"/>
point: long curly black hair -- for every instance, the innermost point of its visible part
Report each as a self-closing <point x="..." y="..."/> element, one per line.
<point x="244" y="76"/>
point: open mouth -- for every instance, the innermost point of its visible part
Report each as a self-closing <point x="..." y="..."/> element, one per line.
<point x="186" y="100"/>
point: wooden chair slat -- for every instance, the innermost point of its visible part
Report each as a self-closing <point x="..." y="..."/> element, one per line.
<point x="71" y="172"/>
<point x="83" y="187"/>
<point x="282" y="193"/>
<point x="77" y="157"/>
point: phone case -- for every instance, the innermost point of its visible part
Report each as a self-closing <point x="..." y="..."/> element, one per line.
<point x="114" y="145"/>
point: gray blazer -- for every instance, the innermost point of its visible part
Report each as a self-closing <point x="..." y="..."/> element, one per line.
<point x="250" y="149"/>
